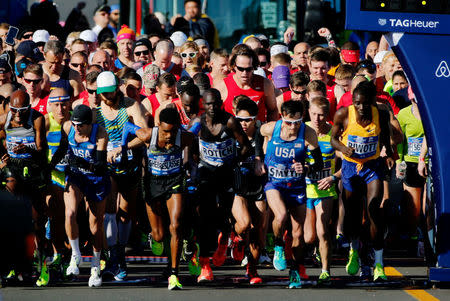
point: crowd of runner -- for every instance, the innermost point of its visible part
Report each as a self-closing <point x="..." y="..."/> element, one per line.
<point x="271" y="145"/>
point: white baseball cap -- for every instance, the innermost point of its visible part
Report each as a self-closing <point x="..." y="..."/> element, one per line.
<point x="41" y="36"/>
<point x="178" y="38"/>
<point x="276" y="49"/>
<point x="107" y="82"/>
<point x="88" y="36"/>
<point x="379" y="56"/>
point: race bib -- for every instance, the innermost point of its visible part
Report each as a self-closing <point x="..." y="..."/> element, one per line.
<point x="12" y="142"/>
<point x="217" y="153"/>
<point x="315" y="177"/>
<point x="414" y="146"/>
<point x="282" y="172"/>
<point x="116" y="144"/>
<point x="364" y="147"/>
<point x="164" y="165"/>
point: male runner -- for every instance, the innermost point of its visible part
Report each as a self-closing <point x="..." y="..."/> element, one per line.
<point x="86" y="177"/>
<point x="359" y="132"/>
<point x="287" y="141"/>
<point x="216" y="173"/>
<point x="114" y="111"/>
<point x="165" y="181"/>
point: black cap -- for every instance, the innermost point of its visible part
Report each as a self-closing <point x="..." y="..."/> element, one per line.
<point x="82" y="114"/>
<point x="29" y="50"/>
<point x="104" y="8"/>
<point x="143" y="42"/>
<point x="196" y="1"/>
<point x="4" y="66"/>
<point x="21" y="65"/>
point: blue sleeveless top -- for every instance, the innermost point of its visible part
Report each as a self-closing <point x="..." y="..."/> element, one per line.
<point x="20" y="135"/>
<point x="164" y="162"/>
<point x="84" y="150"/>
<point x="280" y="155"/>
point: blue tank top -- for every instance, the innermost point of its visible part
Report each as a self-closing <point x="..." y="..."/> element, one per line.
<point x="63" y="81"/>
<point x="164" y="162"/>
<point x="114" y="128"/>
<point x="20" y="135"/>
<point x="281" y="153"/>
<point x="84" y="150"/>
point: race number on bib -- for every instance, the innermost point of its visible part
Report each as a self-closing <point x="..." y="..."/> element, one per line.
<point x="115" y="144"/>
<point x="217" y="153"/>
<point x="364" y="147"/>
<point x="414" y="146"/>
<point x="12" y="142"/>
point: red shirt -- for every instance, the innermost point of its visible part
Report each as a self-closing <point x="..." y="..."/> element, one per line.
<point x="85" y="97"/>
<point x="41" y="106"/>
<point x="255" y="93"/>
<point x="347" y="100"/>
<point x="183" y="116"/>
<point x="287" y="96"/>
<point x="154" y="103"/>
<point x="332" y="99"/>
<point x="211" y="81"/>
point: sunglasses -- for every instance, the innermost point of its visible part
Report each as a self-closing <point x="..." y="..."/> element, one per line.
<point x="246" y="119"/>
<point x="190" y="54"/>
<point x="299" y="92"/>
<point x="27" y="36"/>
<point x="370" y="66"/>
<point x="91" y="91"/>
<point x="77" y="124"/>
<point x="262" y="64"/>
<point x="18" y="110"/>
<point x="75" y="65"/>
<point x="291" y="122"/>
<point x="242" y="69"/>
<point x="34" y="81"/>
<point x="139" y="53"/>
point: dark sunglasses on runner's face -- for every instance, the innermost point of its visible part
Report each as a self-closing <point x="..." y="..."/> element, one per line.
<point x="190" y="54"/>
<point x="91" y="91"/>
<point x="242" y="69"/>
<point x="299" y="92"/>
<point x="245" y="119"/>
<point x="139" y="53"/>
<point x="75" y="65"/>
<point x="262" y="64"/>
<point x="34" y="81"/>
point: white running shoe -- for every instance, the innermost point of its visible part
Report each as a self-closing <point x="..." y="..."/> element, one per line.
<point x="73" y="266"/>
<point x="95" y="280"/>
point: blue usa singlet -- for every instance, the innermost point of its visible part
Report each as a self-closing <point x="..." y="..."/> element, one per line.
<point x="280" y="155"/>
<point x="84" y="150"/>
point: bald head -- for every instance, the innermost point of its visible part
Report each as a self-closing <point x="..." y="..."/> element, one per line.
<point x="253" y="43"/>
<point x="6" y="90"/>
<point x="101" y="58"/>
<point x="371" y="49"/>
<point x="20" y="99"/>
<point x="164" y="46"/>
<point x="163" y="54"/>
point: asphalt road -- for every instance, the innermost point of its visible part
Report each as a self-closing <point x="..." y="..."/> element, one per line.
<point x="408" y="281"/>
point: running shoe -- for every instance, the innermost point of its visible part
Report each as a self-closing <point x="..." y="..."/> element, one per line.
<point x="157" y="247"/>
<point x="194" y="262"/>
<point x="122" y="273"/>
<point x="366" y="273"/>
<point x="317" y="261"/>
<point x="11" y="275"/>
<point x="302" y="271"/>
<point x="206" y="274"/>
<point x="95" y="280"/>
<point x="279" y="259"/>
<point x="73" y="266"/>
<point x="352" y="266"/>
<point x="44" y="277"/>
<point x="378" y="273"/>
<point x="294" y="279"/>
<point x="342" y="242"/>
<point x="237" y="248"/>
<point x="174" y="283"/>
<point x="186" y="251"/>
<point x="221" y="253"/>
<point x="325" y="278"/>
<point x="264" y="257"/>
<point x="252" y="275"/>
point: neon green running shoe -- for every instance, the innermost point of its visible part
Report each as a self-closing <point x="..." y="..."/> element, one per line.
<point x="352" y="266"/>
<point x="157" y="247"/>
<point x="174" y="284"/>
<point x="11" y="275"/>
<point x="56" y="262"/>
<point x="44" y="278"/>
<point x="194" y="263"/>
<point x="324" y="278"/>
<point x="378" y="273"/>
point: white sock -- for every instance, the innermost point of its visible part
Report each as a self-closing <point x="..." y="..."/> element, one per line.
<point x="379" y="257"/>
<point x="95" y="259"/>
<point x="75" y="245"/>
<point x="325" y="271"/>
<point x="354" y="244"/>
<point x="111" y="229"/>
<point x="124" y="232"/>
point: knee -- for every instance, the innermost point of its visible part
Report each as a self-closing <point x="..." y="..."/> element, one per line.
<point x="94" y="227"/>
<point x="280" y="219"/>
<point x="309" y="237"/>
<point x="297" y="234"/>
<point x="71" y="215"/>
<point x="244" y="224"/>
<point x="174" y="228"/>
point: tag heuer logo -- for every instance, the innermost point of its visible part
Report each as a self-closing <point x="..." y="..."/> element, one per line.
<point x="382" y="22"/>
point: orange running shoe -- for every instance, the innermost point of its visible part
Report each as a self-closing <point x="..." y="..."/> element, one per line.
<point x="237" y="249"/>
<point x="252" y="275"/>
<point x="206" y="275"/>
<point x="221" y="253"/>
